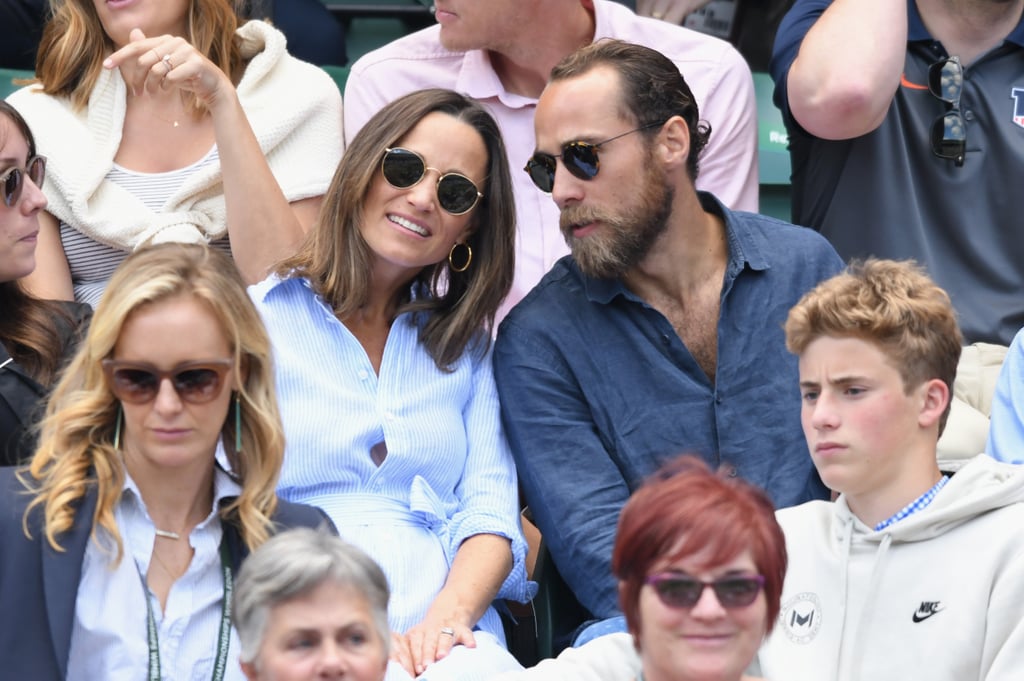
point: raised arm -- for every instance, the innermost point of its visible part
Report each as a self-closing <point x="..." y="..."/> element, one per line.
<point x="574" y="487"/>
<point x="839" y="63"/>
<point x="263" y="226"/>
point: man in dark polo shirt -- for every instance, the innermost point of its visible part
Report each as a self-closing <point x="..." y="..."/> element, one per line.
<point x="662" y="332"/>
<point x="906" y="126"/>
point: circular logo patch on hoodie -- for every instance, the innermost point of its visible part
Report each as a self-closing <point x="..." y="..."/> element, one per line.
<point x="800" y="617"/>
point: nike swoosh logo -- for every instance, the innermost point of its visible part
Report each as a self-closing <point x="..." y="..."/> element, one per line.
<point x="913" y="86"/>
<point x="919" y="618"/>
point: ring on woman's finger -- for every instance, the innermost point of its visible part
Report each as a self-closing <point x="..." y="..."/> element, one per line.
<point x="166" y="59"/>
<point x="448" y="631"/>
<point x="658" y="15"/>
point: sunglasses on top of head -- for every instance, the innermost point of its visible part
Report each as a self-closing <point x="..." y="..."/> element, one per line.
<point x="404" y="168"/>
<point x="196" y="382"/>
<point x="14" y="179"/>
<point x="579" y="158"/>
<point x="679" y="591"/>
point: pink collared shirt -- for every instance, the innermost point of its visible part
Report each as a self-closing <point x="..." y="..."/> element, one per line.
<point x="716" y="73"/>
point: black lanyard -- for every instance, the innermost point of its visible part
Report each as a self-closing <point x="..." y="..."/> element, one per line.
<point x="223" y="639"/>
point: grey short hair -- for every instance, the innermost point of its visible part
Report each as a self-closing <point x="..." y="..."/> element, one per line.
<point x="293" y="563"/>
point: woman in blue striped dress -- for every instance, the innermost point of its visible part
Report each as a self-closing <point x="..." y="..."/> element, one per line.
<point x="381" y="326"/>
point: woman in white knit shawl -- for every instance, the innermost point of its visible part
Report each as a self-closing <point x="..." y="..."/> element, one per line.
<point x="163" y="120"/>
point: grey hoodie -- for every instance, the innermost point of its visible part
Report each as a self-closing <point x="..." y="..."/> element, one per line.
<point x="936" y="596"/>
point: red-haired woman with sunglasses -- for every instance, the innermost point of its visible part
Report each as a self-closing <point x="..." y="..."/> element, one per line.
<point x="35" y="335"/>
<point x="700" y="561"/>
<point x="153" y="478"/>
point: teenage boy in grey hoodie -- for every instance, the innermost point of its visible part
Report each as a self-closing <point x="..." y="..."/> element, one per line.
<point x="911" y="573"/>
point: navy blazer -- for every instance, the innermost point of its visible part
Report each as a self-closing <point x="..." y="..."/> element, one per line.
<point x="39" y="585"/>
<point x="22" y="399"/>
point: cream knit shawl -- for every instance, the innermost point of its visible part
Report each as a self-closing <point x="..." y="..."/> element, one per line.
<point x="293" y="107"/>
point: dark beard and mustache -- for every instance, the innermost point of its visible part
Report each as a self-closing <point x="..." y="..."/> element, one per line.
<point x="623" y="238"/>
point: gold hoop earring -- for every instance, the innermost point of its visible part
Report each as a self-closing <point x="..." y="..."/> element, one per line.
<point x="451" y="259"/>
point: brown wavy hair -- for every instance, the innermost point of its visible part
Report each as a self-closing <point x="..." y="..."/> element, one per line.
<point x="76" y="451"/>
<point x="30" y="328"/>
<point x="459" y="308"/>
<point x="74" y="45"/>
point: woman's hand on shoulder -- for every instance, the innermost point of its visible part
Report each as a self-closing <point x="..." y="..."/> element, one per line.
<point x="167" y="62"/>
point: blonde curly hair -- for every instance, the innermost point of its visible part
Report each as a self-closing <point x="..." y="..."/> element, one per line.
<point x="76" y="448"/>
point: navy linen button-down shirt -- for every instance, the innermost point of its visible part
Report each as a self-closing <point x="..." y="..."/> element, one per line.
<point x="598" y="390"/>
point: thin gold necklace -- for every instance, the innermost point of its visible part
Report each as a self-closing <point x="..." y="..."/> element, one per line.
<point x="154" y="114"/>
<point x="173" y="123"/>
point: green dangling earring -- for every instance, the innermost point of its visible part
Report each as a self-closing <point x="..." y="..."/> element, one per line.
<point x="117" y="429"/>
<point x="238" y="423"/>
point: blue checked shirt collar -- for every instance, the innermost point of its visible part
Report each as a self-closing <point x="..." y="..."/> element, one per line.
<point x="914" y="506"/>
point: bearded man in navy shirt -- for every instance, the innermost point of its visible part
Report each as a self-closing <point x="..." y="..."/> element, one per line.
<point x="662" y="332"/>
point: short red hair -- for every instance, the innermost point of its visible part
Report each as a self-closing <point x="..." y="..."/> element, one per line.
<point x="684" y="509"/>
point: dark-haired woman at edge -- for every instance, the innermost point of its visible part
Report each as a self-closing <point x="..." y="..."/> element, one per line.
<point x="35" y="334"/>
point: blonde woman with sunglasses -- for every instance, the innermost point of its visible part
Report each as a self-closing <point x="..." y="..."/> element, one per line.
<point x="381" y="327"/>
<point x="154" y="477"/>
<point x="35" y="335"/>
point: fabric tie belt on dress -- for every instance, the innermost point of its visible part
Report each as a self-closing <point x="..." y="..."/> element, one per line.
<point x="424" y="509"/>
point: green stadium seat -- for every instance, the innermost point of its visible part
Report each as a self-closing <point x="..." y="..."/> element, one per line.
<point x="555" y="606"/>
<point x="414" y="12"/>
<point x="365" y="34"/>
<point x="339" y="74"/>
<point x="8" y="78"/>
<point x="773" y="152"/>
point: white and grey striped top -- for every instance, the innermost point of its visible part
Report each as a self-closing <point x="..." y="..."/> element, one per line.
<point x="91" y="262"/>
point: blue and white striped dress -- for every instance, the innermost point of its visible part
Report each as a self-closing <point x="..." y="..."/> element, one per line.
<point x="447" y="475"/>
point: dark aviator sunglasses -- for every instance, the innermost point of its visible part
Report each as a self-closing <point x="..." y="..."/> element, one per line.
<point x="196" y="382"/>
<point x="579" y="158"/>
<point x="948" y="133"/>
<point x="404" y="168"/>
<point x="14" y="179"/>
<point x="680" y="591"/>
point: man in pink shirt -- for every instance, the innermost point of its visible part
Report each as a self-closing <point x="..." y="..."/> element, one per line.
<point x="501" y="53"/>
